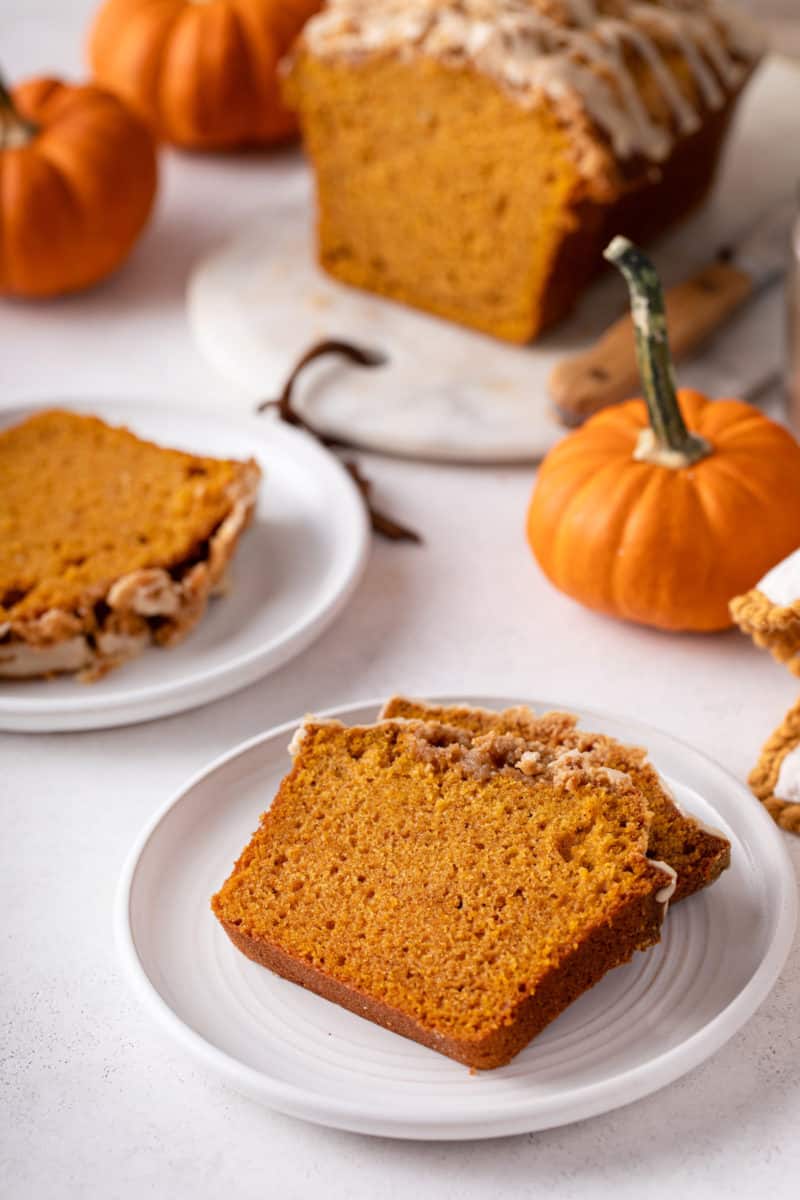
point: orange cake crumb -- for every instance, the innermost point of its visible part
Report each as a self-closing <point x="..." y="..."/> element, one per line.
<point x="698" y="854"/>
<point x="107" y="541"/>
<point x="448" y="890"/>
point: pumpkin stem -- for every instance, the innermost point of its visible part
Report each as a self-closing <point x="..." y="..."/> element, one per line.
<point x="667" y="441"/>
<point x="15" y="130"/>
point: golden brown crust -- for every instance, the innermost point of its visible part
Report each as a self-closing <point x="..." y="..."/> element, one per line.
<point x="763" y="778"/>
<point x="635" y="926"/>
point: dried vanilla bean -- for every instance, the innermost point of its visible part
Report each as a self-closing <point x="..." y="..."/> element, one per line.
<point x="284" y="406"/>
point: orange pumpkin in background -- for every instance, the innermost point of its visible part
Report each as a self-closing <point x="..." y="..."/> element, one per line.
<point x="661" y="511"/>
<point x="203" y="73"/>
<point x="77" y="182"/>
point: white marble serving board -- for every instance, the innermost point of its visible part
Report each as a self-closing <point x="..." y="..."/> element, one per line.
<point x="446" y="393"/>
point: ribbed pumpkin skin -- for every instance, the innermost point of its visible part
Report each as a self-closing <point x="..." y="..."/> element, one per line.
<point x="202" y="73"/>
<point x="661" y="546"/>
<point x="74" y="198"/>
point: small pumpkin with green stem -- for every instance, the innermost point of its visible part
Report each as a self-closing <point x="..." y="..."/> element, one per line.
<point x="661" y="510"/>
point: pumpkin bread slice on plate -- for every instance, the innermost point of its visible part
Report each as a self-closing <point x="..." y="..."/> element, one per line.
<point x="697" y="853"/>
<point x="459" y="892"/>
<point x="107" y="542"/>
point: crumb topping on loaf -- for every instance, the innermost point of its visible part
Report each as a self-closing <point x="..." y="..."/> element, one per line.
<point x="595" y="59"/>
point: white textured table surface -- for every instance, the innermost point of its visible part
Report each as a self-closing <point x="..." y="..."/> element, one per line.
<point x="94" y="1102"/>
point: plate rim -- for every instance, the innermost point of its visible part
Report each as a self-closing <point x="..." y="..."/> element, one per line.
<point x="93" y="711"/>
<point x="592" y="1099"/>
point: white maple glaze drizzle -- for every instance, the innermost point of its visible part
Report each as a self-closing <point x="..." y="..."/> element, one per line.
<point x="605" y="45"/>
<point x="685" y="113"/>
<point x="704" y="33"/>
<point x="570" y="51"/>
<point x="582" y="12"/>
<point x="665" y="894"/>
<point x="667" y="23"/>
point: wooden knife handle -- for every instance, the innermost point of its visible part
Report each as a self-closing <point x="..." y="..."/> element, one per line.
<point x="607" y="373"/>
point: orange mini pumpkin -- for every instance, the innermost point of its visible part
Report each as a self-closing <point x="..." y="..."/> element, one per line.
<point x="203" y="73"/>
<point x="638" y="517"/>
<point x="77" y="181"/>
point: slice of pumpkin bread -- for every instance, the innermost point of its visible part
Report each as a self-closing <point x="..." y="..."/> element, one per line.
<point x="459" y="892"/>
<point x="107" y="542"/>
<point x="698" y="854"/>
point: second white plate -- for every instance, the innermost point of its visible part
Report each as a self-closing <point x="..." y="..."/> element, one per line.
<point x="295" y="569"/>
<point x="643" y="1026"/>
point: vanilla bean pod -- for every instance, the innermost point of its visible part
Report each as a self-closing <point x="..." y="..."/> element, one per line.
<point x="284" y="406"/>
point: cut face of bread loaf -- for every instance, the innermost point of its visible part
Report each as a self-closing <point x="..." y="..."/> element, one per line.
<point x="451" y="889"/>
<point x="697" y="853"/>
<point x="474" y="157"/>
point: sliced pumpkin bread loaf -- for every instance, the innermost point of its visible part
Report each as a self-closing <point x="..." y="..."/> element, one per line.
<point x="473" y="157"/>
<point x="455" y="890"/>
<point x="698" y="854"/>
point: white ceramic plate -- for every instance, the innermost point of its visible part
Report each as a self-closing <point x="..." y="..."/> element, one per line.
<point x="294" y="570"/>
<point x="447" y="393"/>
<point x="643" y="1026"/>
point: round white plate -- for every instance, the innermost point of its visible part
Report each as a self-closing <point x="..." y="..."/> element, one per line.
<point x="643" y="1026"/>
<point x="256" y="304"/>
<point x="293" y="572"/>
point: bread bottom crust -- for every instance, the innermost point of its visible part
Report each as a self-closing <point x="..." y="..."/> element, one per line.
<point x="635" y="926"/>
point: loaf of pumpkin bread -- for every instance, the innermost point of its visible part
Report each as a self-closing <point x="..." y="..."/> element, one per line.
<point x="474" y="157"/>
